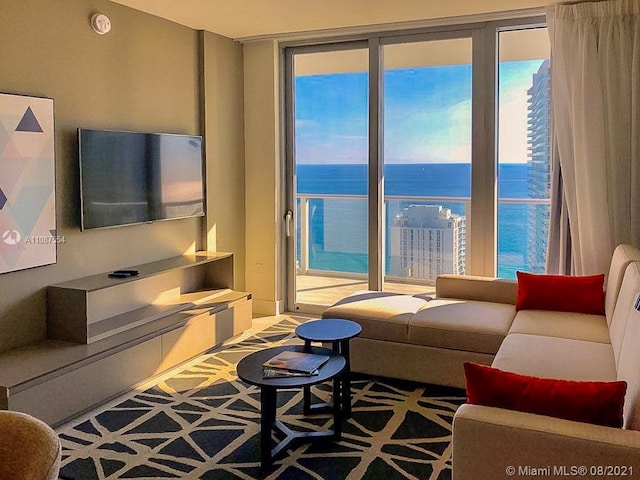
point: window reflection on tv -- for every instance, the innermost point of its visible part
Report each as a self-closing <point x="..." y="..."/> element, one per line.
<point x="128" y="178"/>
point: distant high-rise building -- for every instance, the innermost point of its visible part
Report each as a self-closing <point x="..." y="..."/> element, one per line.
<point x="426" y="241"/>
<point x="539" y="145"/>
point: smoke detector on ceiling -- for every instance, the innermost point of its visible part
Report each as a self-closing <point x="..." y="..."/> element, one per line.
<point x="100" y="23"/>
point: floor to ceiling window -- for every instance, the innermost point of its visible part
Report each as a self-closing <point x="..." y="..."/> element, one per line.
<point x="524" y="150"/>
<point x="396" y="173"/>
<point x="427" y="160"/>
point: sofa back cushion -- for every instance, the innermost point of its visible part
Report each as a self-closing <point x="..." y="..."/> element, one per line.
<point x="484" y="289"/>
<point x="625" y="339"/>
<point x="623" y="255"/>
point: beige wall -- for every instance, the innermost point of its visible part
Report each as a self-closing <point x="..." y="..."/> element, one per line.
<point x="223" y="126"/>
<point x="142" y="76"/>
<point x="262" y="176"/>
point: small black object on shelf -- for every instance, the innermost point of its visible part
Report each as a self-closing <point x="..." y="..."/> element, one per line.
<point x="123" y="273"/>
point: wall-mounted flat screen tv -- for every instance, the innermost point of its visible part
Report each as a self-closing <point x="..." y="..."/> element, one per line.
<point x="128" y="177"/>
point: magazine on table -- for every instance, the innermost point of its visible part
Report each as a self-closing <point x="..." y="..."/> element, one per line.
<point x="300" y="362"/>
<point x="281" y="373"/>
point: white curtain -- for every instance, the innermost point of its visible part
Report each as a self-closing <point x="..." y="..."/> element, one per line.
<point x="559" y="237"/>
<point x="595" y="59"/>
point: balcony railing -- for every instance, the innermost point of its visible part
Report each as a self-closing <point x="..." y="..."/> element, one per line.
<point x="304" y="227"/>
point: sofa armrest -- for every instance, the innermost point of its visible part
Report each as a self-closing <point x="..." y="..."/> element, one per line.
<point x="487" y="289"/>
<point x="493" y="443"/>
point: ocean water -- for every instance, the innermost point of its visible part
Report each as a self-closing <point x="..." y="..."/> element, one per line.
<point x="338" y="227"/>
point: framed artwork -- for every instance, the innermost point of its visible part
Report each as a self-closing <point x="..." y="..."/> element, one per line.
<point x="28" y="236"/>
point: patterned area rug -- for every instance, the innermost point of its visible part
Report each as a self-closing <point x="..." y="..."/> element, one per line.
<point x="203" y="423"/>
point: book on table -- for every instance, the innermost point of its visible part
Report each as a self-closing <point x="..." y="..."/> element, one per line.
<point x="295" y="363"/>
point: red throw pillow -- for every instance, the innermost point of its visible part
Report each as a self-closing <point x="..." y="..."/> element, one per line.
<point x="561" y="293"/>
<point x="600" y="403"/>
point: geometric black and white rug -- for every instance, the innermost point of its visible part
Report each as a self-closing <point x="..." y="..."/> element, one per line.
<point x="204" y="423"/>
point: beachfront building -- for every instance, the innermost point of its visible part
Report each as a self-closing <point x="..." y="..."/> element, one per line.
<point x="426" y="241"/>
<point x="539" y="143"/>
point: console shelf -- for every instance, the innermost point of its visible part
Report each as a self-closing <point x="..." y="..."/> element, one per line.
<point x="92" y="308"/>
<point x="210" y="301"/>
<point x="108" y="335"/>
<point x="102" y="280"/>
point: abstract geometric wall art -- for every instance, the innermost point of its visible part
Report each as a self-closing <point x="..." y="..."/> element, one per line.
<point x="28" y="236"/>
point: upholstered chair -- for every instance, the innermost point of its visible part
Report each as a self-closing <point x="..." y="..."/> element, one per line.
<point x="29" y="448"/>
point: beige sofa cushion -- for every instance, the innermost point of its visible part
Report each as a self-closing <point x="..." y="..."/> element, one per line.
<point x="579" y="326"/>
<point x="469" y="287"/>
<point x="554" y="357"/>
<point x="623" y="255"/>
<point x="625" y="333"/>
<point x="466" y="325"/>
<point x="624" y="311"/>
<point x="382" y="315"/>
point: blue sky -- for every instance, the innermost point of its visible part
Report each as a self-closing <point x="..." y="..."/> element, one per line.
<point x="427" y="115"/>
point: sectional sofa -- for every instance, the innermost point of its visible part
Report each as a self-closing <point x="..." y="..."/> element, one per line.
<point x="474" y="319"/>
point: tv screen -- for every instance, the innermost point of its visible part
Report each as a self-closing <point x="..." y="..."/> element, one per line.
<point x="128" y="177"/>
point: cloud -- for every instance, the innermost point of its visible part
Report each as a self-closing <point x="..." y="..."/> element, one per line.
<point x="350" y="137"/>
<point x="512" y="127"/>
<point x="302" y="124"/>
<point x="427" y="119"/>
<point x="439" y="135"/>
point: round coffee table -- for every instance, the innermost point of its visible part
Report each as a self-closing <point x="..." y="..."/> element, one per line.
<point x="249" y="369"/>
<point x="337" y="331"/>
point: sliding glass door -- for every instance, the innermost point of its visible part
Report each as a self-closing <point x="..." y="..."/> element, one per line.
<point x="330" y="164"/>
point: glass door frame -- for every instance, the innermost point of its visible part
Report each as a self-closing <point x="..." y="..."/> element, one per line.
<point x="482" y="216"/>
<point x="290" y="213"/>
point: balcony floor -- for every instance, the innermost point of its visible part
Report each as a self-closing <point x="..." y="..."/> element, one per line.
<point x="327" y="290"/>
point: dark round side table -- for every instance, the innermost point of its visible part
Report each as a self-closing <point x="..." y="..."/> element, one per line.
<point x="249" y="369"/>
<point x="337" y="331"/>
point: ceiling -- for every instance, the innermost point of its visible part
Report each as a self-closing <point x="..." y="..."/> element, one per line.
<point x="246" y="19"/>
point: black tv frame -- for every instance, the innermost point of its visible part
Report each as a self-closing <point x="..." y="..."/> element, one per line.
<point x="199" y="138"/>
